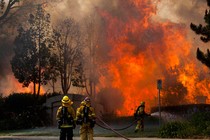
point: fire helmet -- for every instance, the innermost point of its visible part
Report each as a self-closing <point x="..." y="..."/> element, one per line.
<point x="142" y="103"/>
<point x="87" y="99"/>
<point x="66" y="100"/>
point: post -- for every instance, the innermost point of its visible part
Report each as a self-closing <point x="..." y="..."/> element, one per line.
<point x="159" y="106"/>
<point x="159" y="87"/>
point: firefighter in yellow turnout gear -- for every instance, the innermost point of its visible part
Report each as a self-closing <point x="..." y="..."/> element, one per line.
<point x="66" y="119"/>
<point x="85" y="117"/>
<point x="140" y="114"/>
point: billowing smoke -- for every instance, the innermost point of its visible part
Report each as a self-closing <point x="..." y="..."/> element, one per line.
<point x="5" y="55"/>
<point x="111" y="99"/>
<point x="181" y="12"/>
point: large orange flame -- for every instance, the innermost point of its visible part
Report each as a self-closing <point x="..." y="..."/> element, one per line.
<point x="142" y="51"/>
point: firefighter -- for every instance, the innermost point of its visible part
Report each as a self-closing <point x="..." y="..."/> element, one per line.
<point x="66" y="119"/>
<point x="85" y="117"/>
<point x="140" y="114"/>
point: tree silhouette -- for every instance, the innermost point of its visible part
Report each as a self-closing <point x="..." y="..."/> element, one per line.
<point x="7" y="5"/>
<point x="67" y="38"/>
<point x="91" y="68"/>
<point x="5" y="8"/>
<point x="32" y="59"/>
<point x="204" y="31"/>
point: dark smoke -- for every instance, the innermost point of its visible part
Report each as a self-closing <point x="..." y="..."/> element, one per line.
<point x="6" y="52"/>
<point x="111" y="99"/>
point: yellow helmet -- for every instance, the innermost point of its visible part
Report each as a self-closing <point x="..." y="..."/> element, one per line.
<point x="66" y="100"/>
<point x="82" y="103"/>
<point x="142" y="103"/>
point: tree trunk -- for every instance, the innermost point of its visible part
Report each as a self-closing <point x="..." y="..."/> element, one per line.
<point x="34" y="88"/>
<point x="65" y="70"/>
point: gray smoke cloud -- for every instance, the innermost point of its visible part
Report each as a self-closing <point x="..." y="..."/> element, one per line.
<point x="180" y="11"/>
<point x="5" y="55"/>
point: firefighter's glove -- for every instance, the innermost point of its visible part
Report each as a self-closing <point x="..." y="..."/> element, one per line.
<point x="59" y="124"/>
<point x="92" y="123"/>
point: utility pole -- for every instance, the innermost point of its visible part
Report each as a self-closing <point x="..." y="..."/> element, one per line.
<point x="159" y="87"/>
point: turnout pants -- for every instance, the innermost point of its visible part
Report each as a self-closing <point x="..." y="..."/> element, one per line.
<point x="66" y="134"/>
<point x="140" y="125"/>
<point x="86" y="132"/>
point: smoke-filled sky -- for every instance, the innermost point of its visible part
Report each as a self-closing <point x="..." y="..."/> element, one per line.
<point x="140" y="41"/>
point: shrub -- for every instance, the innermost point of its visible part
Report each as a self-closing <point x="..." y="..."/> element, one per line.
<point x="197" y="125"/>
<point x="201" y="122"/>
<point x="176" y="130"/>
<point x="21" y="111"/>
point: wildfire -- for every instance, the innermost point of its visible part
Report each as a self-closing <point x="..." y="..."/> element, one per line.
<point x="15" y="86"/>
<point x="142" y="51"/>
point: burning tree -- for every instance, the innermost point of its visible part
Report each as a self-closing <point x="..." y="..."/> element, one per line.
<point x="68" y="49"/>
<point x="32" y="49"/>
<point x="204" y="31"/>
<point x="174" y="91"/>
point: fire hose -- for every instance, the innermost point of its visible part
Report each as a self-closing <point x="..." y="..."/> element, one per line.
<point x="109" y="128"/>
<point x="119" y="129"/>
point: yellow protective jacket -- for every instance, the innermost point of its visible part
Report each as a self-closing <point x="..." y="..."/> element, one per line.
<point x="70" y="116"/>
<point x="140" y="113"/>
<point x="80" y="113"/>
<point x="140" y="110"/>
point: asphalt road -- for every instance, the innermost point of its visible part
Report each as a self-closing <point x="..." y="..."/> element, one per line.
<point x="77" y="138"/>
